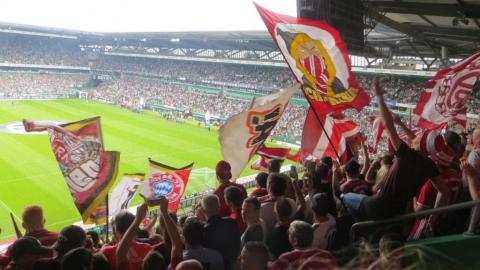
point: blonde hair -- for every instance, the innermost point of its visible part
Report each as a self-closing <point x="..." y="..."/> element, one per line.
<point x="32" y="216"/>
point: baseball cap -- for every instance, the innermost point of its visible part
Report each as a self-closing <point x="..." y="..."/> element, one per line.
<point x="27" y="245"/>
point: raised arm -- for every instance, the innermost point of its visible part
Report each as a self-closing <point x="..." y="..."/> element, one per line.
<point x="336" y="178"/>
<point x="171" y="230"/>
<point x="130" y="234"/>
<point x="386" y="115"/>
<point x="404" y="127"/>
<point x="366" y="162"/>
<point x="301" y="205"/>
<point x="371" y="175"/>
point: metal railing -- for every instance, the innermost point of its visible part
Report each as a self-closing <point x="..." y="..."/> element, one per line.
<point x="420" y="214"/>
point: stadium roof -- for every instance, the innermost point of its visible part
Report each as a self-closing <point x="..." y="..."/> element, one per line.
<point x="422" y="27"/>
<point x="393" y="28"/>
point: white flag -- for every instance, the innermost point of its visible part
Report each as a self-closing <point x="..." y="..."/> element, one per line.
<point x="124" y="192"/>
<point x="242" y="134"/>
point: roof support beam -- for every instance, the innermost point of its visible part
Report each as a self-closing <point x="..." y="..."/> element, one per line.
<point x="433" y="9"/>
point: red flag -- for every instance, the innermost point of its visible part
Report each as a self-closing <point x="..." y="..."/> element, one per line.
<point x="89" y="171"/>
<point x="166" y="181"/>
<point x="315" y="142"/>
<point x="267" y="153"/>
<point x="444" y="96"/>
<point x="319" y="60"/>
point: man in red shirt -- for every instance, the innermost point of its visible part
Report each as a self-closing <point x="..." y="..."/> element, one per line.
<point x="224" y="175"/>
<point x="353" y="183"/>
<point x="261" y="186"/>
<point x="234" y="199"/>
<point x="136" y="252"/>
<point x="303" y="256"/>
<point x="33" y="222"/>
<point x="428" y="194"/>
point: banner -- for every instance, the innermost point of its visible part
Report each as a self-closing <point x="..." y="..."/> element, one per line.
<point x="166" y="181"/>
<point x="445" y="96"/>
<point x="243" y="134"/>
<point x="318" y="58"/>
<point x="315" y="143"/>
<point x="123" y="193"/>
<point x="89" y="171"/>
<point x="266" y="154"/>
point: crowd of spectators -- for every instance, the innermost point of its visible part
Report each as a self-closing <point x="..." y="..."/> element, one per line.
<point x="289" y="221"/>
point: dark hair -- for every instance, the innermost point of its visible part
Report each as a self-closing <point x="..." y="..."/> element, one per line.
<point x="352" y="168"/>
<point x="234" y="195"/>
<point x="387" y="159"/>
<point x="259" y="251"/>
<point x="70" y="237"/>
<point x="283" y="209"/>
<point x="193" y="231"/>
<point x="261" y="179"/>
<point x="454" y="141"/>
<point x="328" y="161"/>
<point x="123" y="220"/>
<point x="143" y="233"/>
<point x="100" y="262"/>
<point x="254" y="201"/>
<point x="320" y="204"/>
<point x="277" y="184"/>
<point x="302" y="232"/>
<point x="320" y="173"/>
<point x="274" y="165"/>
<point x="95" y="238"/>
<point x="154" y="261"/>
<point x="77" y="259"/>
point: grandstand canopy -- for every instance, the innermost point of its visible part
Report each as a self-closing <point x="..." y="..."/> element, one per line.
<point x="423" y="27"/>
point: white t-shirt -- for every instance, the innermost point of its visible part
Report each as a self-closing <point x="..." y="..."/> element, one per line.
<point x="322" y="231"/>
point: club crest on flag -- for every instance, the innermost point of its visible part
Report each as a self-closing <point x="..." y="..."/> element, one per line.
<point x="312" y="60"/>
<point x="169" y="185"/>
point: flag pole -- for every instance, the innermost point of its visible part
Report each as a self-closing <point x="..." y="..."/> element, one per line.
<point x="108" y="218"/>
<point x="15" y="226"/>
<point x="321" y="124"/>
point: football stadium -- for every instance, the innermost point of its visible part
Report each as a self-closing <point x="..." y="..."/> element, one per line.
<point x="286" y="134"/>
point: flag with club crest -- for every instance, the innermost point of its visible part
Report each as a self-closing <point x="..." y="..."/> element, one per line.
<point x="318" y="58"/>
<point x="166" y="181"/>
<point x="89" y="171"/>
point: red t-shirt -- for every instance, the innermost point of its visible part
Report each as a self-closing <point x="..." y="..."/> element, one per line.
<point x="305" y="259"/>
<point x="356" y="186"/>
<point x="135" y="255"/>
<point x="239" y="220"/>
<point x="259" y="192"/>
<point x="47" y="238"/>
<point x="428" y="195"/>
<point x="224" y="209"/>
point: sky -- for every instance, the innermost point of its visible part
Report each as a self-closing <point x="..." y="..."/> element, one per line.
<point x="142" y="15"/>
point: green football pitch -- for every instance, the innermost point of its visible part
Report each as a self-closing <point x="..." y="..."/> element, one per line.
<point x="29" y="173"/>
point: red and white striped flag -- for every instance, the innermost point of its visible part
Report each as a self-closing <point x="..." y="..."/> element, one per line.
<point x="315" y="142"/>
<point x="267" y="153"/>
<point x="444" y="96"/>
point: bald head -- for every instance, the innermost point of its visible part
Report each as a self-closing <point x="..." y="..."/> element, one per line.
<point x="189" y="265"/>
<point x="476" y="137"/>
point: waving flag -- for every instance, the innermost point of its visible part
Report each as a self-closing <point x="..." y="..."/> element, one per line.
<point x="444" y="96"/>
<point x="319" y="60"/>
<point x="244" y="133"/>
<point x="315" y="144"/>
<point x="166" y="181"/>
<point x="265" y="154"/>
<point x="124" y="192"/>
<point x="89" y="171"/>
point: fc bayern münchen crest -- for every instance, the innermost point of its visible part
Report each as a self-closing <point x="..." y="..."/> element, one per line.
<point x="169" y="185"/>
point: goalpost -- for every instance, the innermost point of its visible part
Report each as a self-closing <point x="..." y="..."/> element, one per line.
<point x="83" y="95"/>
